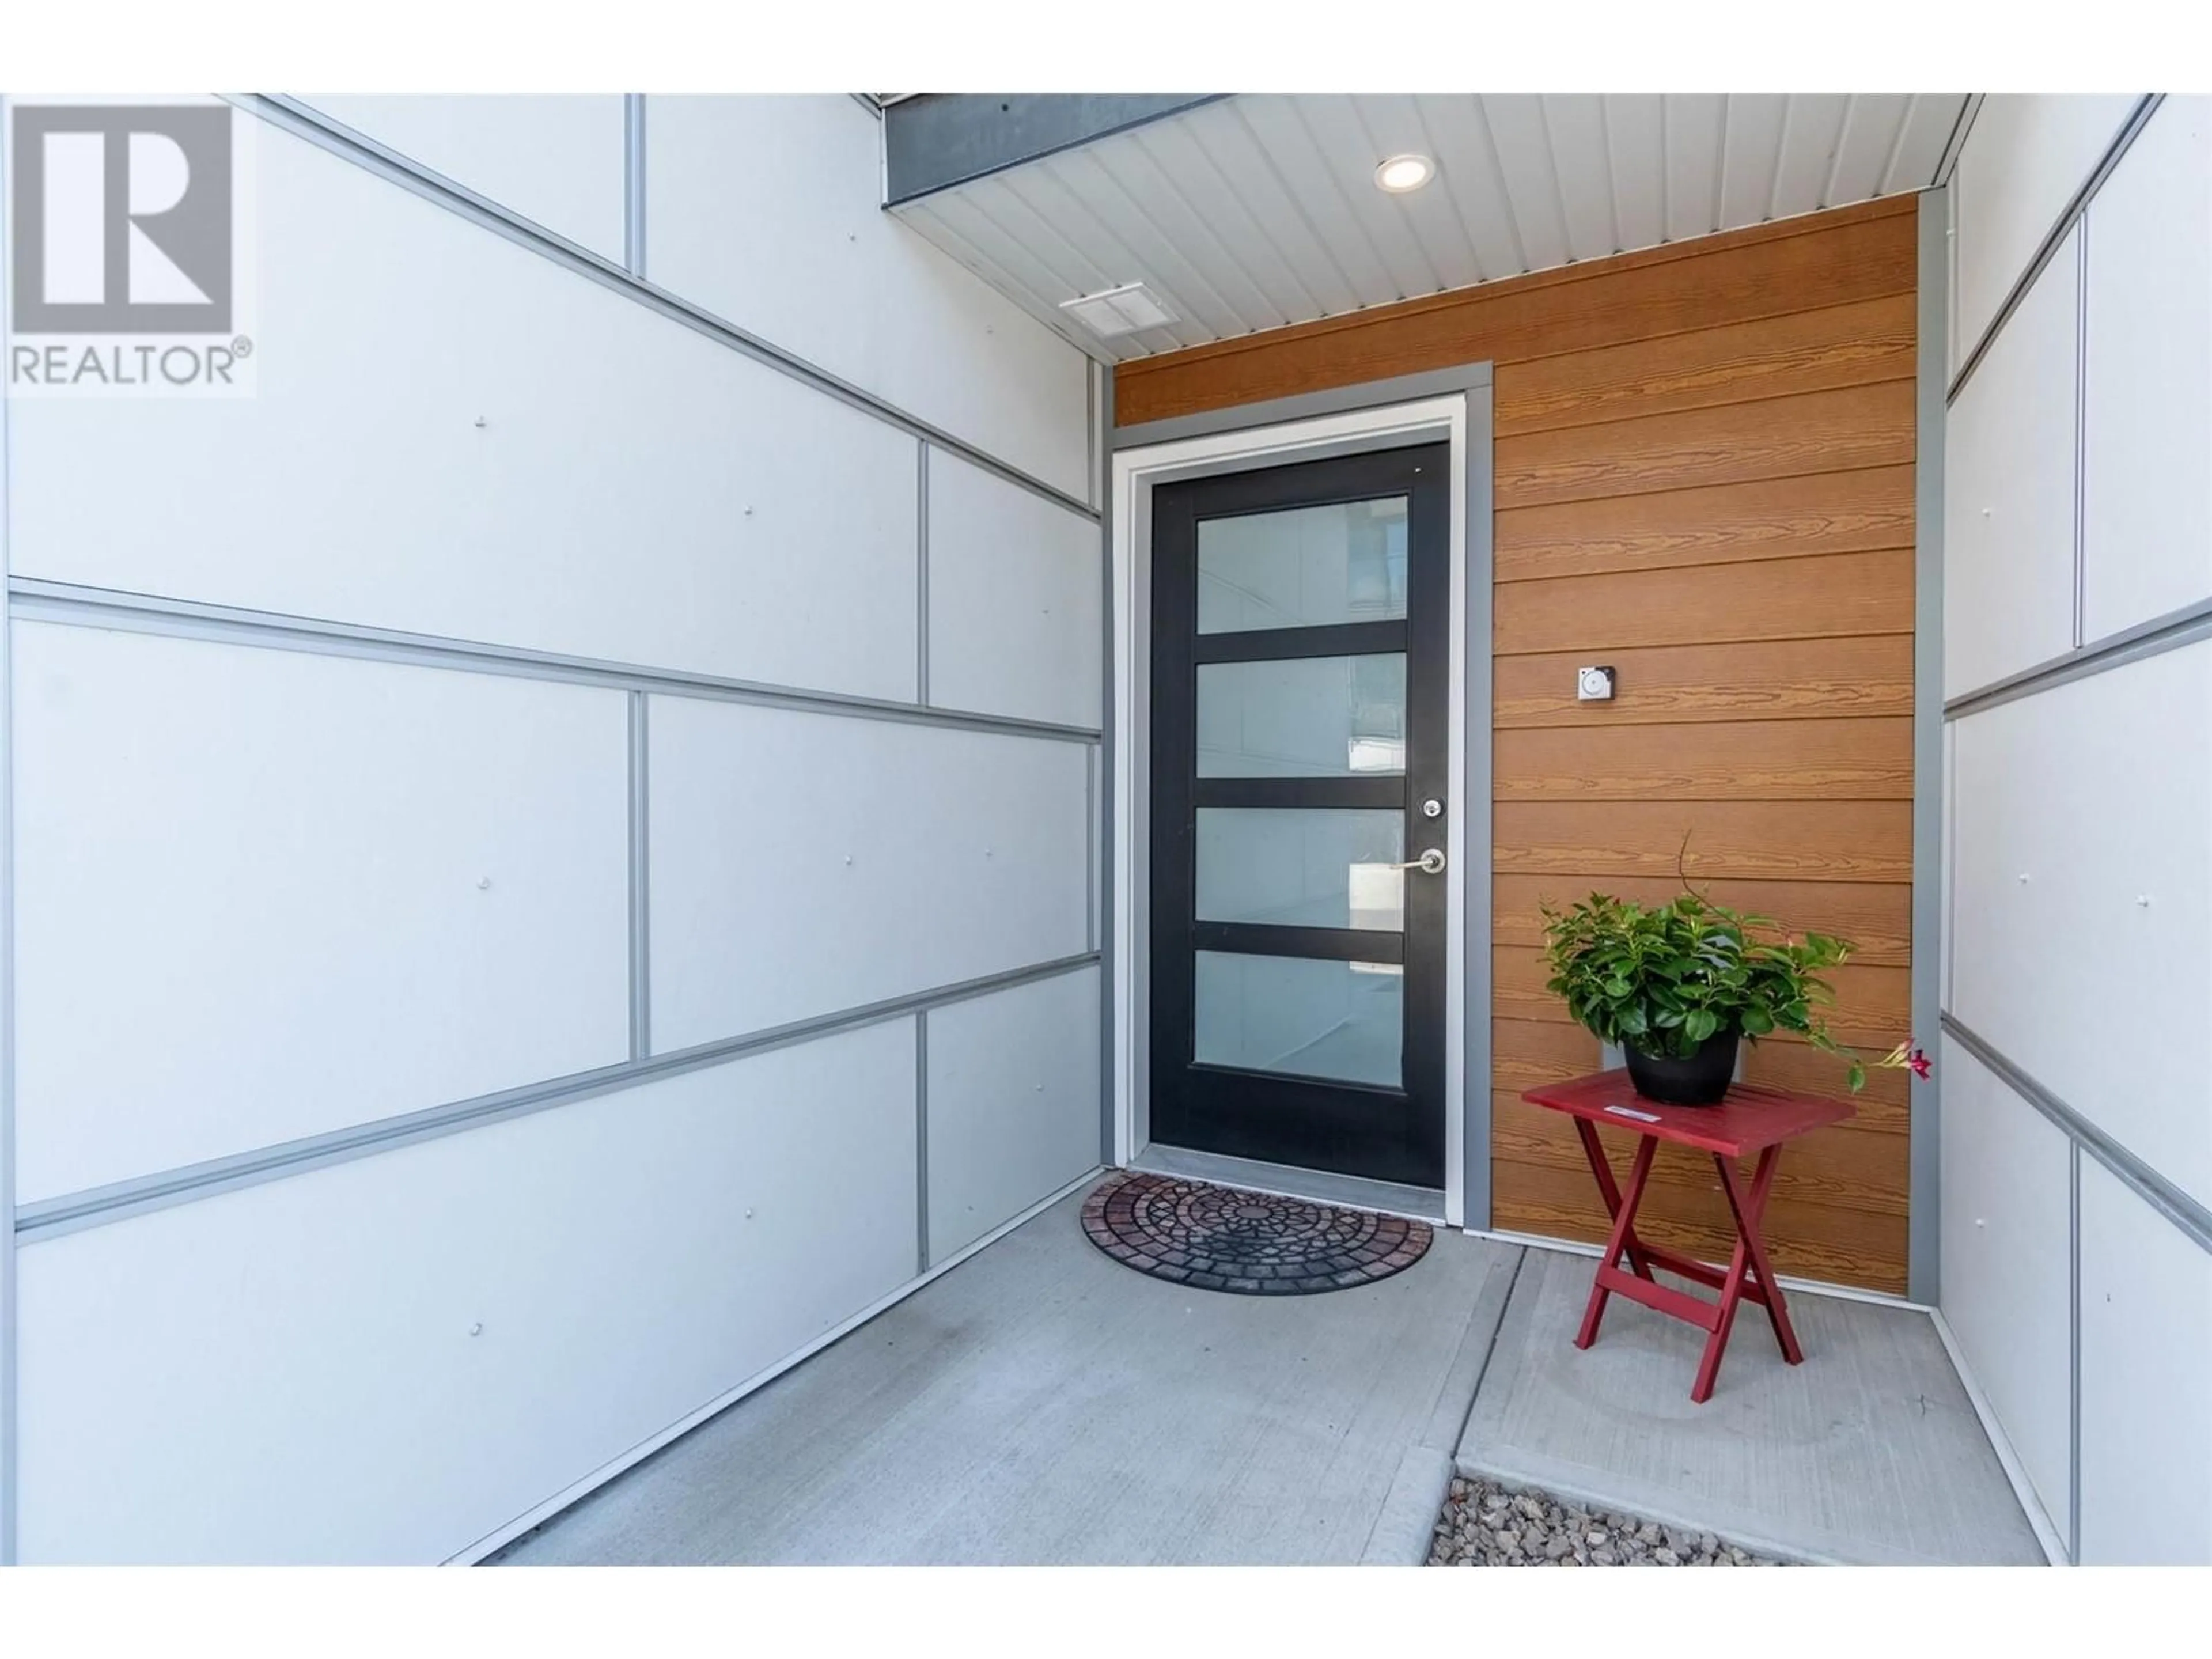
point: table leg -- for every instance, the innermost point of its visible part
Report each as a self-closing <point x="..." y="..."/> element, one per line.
<point x="1749" y="1210"/>
<point x="1749" y="1257"/>
<point x="1602" y="1167"/>
<point x="1624" y="1230"/>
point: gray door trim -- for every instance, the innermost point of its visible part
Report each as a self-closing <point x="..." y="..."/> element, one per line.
<point x="1479" y="1008"/>
<point x="1102" y="459"/>
<point x="1475" y="382"/>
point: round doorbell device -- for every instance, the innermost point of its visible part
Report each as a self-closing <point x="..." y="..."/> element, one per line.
<point x="1594" y="685"/>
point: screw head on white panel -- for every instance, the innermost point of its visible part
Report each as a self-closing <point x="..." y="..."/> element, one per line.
<point x="2143" y="901"/>
<point x="475" y="1330"/>
<point x="748" y="1215"/>
<point x="1594" y="685"/>
<point x="482" y="422"/>
<point x="2023" y="877"/>
<point x="484" y="883"/>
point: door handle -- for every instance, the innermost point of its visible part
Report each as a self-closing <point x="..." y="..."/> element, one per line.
<point x="1430" y="863"/>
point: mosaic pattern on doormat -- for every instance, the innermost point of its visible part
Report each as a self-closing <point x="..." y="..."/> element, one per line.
<point x="1219" y="1238"/>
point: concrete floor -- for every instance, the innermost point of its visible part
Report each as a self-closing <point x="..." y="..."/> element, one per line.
<point x="1041" y="1404"/>
<point x="1870" y="1452"/>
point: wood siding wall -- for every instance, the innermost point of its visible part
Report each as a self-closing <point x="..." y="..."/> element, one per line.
<point x="1705" y="478"/>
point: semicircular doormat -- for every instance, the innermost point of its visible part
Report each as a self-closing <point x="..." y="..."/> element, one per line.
<point x="1222" y="1238"/>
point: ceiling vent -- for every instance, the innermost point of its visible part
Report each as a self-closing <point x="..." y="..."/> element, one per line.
<point x="1122" y="310"/>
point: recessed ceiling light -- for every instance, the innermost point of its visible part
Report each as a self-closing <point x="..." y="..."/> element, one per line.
<point x="1403" y="173"/>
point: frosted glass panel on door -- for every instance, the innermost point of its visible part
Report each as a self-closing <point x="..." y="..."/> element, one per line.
<point x="1300" y="867"/>
<point x="1341" y="1020"/>
<point x="1307" y="567"/>
<point x="1301" y="717"/>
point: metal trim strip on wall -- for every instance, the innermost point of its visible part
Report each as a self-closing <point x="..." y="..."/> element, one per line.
<point x="303" y="121"/>
<point x="921" y="1140"/>
<point x="2186" y="1212"/>
<point x="633" y="183"/>
<point x="2068" y="216"/>
<point x="36" y="600"/>
<point x="72" y="1212"/>
<point x="641" y="879"/>
<point x="921" y="572"/>
<point x="1923" y="1250"/>
<point x="2176" y="629"/>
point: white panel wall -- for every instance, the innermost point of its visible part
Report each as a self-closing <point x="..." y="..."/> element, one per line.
<point x="804" y="863"/>
<point x="2147" y="484"/>
<point x="261" y="894"/>
<point x="1013" y="1102"/>
<point x="2146" y="1382"/>
<point x="2084" y="899"/>
<point x="2007" y="1272"/>
<point x="2008" y="493"/>
<point x="385" y="1360"/>
<point x="634" y="492"/>
<point x="1015" y="597"/>
<point x="2079" y="815"/>
<point x="768" y="211"/>
<point x="558" y="162"/>
<point x="2024" y="159"/>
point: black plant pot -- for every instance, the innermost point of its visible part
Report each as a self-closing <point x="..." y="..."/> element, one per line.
<point x="1700" y="1080"/>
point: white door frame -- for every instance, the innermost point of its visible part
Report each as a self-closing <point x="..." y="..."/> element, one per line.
<point x="1454" y="405"/>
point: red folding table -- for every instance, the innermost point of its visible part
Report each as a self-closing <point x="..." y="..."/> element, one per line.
<point x="1751" y="1119"/>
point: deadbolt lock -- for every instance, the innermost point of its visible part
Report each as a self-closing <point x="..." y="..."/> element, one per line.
<point x="1432" y="808"/>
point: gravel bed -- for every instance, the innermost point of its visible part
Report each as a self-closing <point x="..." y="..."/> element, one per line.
<point x="1486" y="1525"/>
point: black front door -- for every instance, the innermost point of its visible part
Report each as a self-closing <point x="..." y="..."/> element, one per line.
<point x="1300" y="690"/>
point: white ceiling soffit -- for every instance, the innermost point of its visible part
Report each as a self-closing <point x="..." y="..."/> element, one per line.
<point x="1257" y="211"/>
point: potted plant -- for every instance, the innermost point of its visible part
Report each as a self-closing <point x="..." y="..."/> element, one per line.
<point x="1676" y="985"/>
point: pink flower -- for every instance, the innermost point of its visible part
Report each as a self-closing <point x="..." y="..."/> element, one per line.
<point x="1919" y="1062"/>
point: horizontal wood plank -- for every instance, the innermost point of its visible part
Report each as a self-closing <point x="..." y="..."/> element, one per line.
<point x="1799" y="517"/>
<point x="1877" y="921"/>
<point x="1526" y="1054"/>
<point x="1841" y="595"/>
<point x="1821" y="1241"/>
<point x="1866" y="675"/>
<point x="1841" y="1165"/>
<point x="1873" y="1006"/>
<point x="1736" y="760"/>
<point x="1815" y="432"/>
<point x="1736" y="362"/>
<point x="1807" y="263"/>
<point x="1758" y="840"/>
